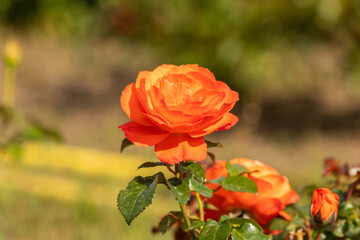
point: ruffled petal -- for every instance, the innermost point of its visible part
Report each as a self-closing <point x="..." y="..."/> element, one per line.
<point x="225" y="123"/>
<point x="180" y="147"/>
<point x="143" y="136"/>
<point x="132" y="106"/>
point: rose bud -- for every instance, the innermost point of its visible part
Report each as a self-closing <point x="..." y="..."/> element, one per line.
<point x="324" y="207"/>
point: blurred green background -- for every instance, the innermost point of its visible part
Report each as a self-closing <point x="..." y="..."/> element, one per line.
<point x="295" y="64"/>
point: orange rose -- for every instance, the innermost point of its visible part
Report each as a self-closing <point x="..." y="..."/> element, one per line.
<point x="324" y="206"/>
<point x="173" y="107"/>
<point x="274" y="191"/>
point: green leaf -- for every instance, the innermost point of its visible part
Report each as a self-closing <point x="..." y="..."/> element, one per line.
<point x="237" y="222"/>
<point x="340" y="228"/>
<point x="209" y="230"/>
<point x="180" y="189"/>
<point x="124" y="144"/>
<point x="196" y="224"/>
<point x="212" y="144"/>
<point x="224" y="218"/>
<point x="224" y="231"/>
<point x="200" y="188"/>
<point x="235" y="169"/>
<point x="166" y="222"/>
<point x="213" y="231"/>
<point x="239" y="184"/>
<point x="137" y="196"/>
<point x="217" y="180"/>
<point x="151" y="164"/>
<point x="347" y="210"/>
<point x="177" y="214"/>
<point x="197" y="170"/>
<point x="248" y="231"/>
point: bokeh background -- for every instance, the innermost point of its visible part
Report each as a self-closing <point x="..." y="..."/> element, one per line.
<point x="295" y="64"/>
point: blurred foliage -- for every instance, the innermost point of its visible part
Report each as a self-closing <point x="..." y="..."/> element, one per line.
<point x="229" y="37"/>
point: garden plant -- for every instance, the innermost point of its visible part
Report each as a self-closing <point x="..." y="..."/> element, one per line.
<point x="174" y="108"/>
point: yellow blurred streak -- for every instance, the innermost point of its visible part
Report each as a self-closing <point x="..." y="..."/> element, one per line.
<point x="88" y="162"/>
<point x="43" y="170"/>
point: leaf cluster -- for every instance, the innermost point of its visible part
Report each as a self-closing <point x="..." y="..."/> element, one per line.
<point x="190" y="179"/>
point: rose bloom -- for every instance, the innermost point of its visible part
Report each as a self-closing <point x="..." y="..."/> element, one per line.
<point x="324" y="207"/>
<point x="173" y="107"/>
<point x="274" y="191"/>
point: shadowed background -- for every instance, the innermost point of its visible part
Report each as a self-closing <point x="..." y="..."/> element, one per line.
<point x="295" y="64"/>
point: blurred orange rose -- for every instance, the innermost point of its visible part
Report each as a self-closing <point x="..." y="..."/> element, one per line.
<point x="274" y="191"/>
<point x="173" y="107"/>
<point x="324" y="207"/>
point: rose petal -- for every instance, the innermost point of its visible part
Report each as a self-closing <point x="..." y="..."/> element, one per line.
<point x="285" y="215"/>
<point x="280" y="186"/>
<point x="291" y="197"/>
<point x="224" y="123"/>
<point x="143" y="136"/>
<point x="132" y="107"/>
<point x="213" y="214"/>
<point x="179" y="147"/>
<point x="266" y="209"/>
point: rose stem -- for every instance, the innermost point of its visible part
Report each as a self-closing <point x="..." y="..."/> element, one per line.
<point x="308" y="228"/>
<point x="182" y="207"/>
<point x="201" y="209"/>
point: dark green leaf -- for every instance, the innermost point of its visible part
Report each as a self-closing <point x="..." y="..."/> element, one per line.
<point x="224" y="218"/>
<point x="166" y="222"/>
<point x="237" y="222"/>
<point x="137" y="196"/>
<point x="151" y="164"/>
<point x="209" y="230"/>
<point x="197" y="170"/>
<point x="212" y="144"/>
<point x="235" y="169"/>
<point x="248" y="231"/>
<point x="196" y="224"/>
<point x="200" y="188"/>
<point x="124" y="144"/>
<point x="239" y="184"/>
<point x="180" y="189"/>
<point x="177" y="214"/>
<point x="224" y="231"/>
<point x="213" y="231"/>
